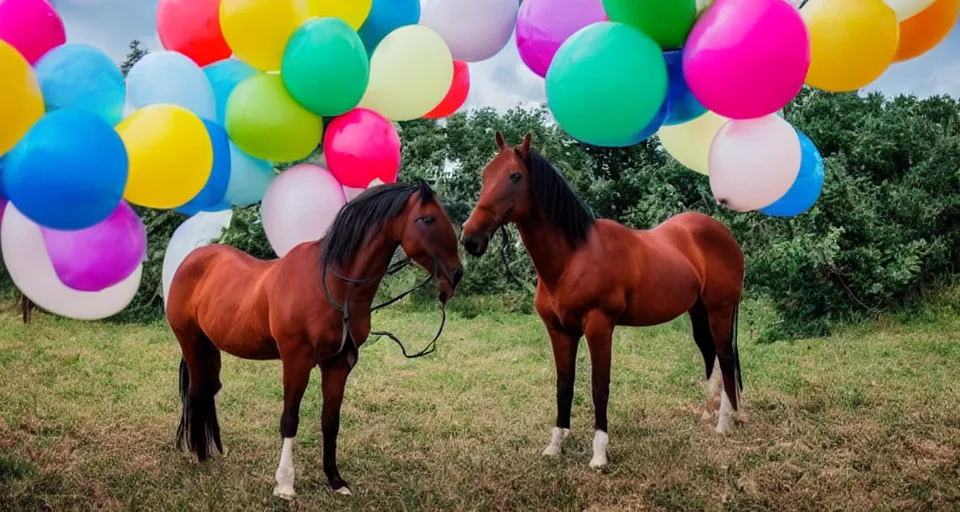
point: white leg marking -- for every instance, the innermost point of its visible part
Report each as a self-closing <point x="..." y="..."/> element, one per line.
<point x="557" y="435"/>
<point x="714" y="388"/>
<point x="344" y="491"/>
<point x="600" y="440"/>
<point x="723" y="423"/>
<point x="284" y="488"/>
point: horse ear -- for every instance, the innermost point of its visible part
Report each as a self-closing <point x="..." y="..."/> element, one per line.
<point x="500" y="142"/>
<point x="525" y="146"/>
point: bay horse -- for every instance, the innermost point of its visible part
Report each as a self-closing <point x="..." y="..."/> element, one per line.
<point x="222" y="299"/>
<point x="594" y="275"/>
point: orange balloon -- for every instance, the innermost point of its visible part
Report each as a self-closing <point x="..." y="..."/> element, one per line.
<point x="920" y="33"/>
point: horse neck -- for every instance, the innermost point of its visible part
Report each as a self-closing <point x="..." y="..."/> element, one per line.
<point x="370" y="265"/>
<point x="547" y="246"/>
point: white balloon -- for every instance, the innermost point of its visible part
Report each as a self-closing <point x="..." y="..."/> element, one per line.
<point x="299" y="206"/>
<point x="29" y="265"/>
<point x="350" y="193"/>
<point x="197" y="231"/>
<point x="475" y="30"/>
<point x="754" y="162"/>
<point x="908" y="8"/>
<point x="171" y="77"/>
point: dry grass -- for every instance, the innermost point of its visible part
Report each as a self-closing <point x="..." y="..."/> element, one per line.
<point x="866" y="420"/>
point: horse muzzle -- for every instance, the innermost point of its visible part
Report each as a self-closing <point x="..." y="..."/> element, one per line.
<point x="476" y="245"/>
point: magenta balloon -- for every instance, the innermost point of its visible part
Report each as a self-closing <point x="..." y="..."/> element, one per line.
<point x="33" y="27"/>
<point x="747" y="58"/>
<point x="100" y="256"/>
<point x="543" y="25"/>
<point x="361" y="146"/>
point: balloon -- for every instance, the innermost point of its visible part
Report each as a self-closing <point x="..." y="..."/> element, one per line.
<point x="192" y="27"/>
<point x="100" y="256"/>
<point x="653" y="126"/>
<point x="543" y="25"/>
<point x="806" y="188"/>
<point x="25" y="257"/>
<point x="213" y="192"/>
<point x="689" y="143"/>
<point x="682" y="105"/>
<point x="33" y="27"/>
<point x="80" y="76"/>
<point x="170" y="77"/>
<point x="325" y="67"/>
<point x="351" y="193"/>
<point x="197" y="231"/>
<point x="249" y="178"/>
<point x="922" y="32"/>
<point x="224" y="77"/>
<point x="473" y="30"/>
<point x="852" y="42"/>
<point x="753" y="162"/>
<point x="747" y="58"/>
<point x="69" y="171"/>
<point x="385" y="17"/>
<point x="410" y="73"/>
<point x="171" y="156"/>
<point x="20" y="98"/>
<point x="361" y="146"/>
<point x="299" y="206"/>
<point x="264" y="121"/>
<point x="606" y="83"/>
<point x="457" y="95"/>
<point x="353" y="12"/>
<point x="906" y="9"/>
<point x="258" y="30"/>
<point x="666" y="22"/>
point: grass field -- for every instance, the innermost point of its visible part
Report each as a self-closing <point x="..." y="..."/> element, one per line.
<point x="868" y="419"/>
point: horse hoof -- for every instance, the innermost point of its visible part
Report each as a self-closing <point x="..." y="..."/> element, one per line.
<point x="344" y="491"/>
<point x="598" y="462"/>
<point x="551" y="451"/>
<point x="284" y="493"/>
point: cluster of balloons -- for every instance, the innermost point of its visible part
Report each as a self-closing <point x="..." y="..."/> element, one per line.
<point x="711" y="77"/>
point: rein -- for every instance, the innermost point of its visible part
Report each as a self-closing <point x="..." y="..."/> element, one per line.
<point x="505" y="244"/>
<point x="392" y="269"/>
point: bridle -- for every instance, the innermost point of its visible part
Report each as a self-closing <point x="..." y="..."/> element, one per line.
<point x="392" y="269"/>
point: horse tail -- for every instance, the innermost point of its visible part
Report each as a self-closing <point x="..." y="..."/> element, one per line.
<point x="736" y="351"/>
<point x="199" y="384"/>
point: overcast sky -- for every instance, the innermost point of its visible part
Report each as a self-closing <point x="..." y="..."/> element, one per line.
<point x="501" y="82"/>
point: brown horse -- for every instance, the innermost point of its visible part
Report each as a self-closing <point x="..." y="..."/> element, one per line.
<point x="222" y="299"/>
<point x="597" y="274"/>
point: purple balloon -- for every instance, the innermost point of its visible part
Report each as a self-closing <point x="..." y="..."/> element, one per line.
<point x="100" y="256"/>
<point x="543" y="25"/>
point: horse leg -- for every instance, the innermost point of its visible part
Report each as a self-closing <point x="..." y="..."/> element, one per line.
<point x="199" y="385"/>
<point x="296" y="375"/>
<point x="565" y="356"/>
<point x="599" y="332"/>
<point x="334" y="374"/>
<point x="723" y="327"/>
<point x="700" y="322"/>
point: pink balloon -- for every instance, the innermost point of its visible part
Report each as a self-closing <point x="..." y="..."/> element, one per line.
<point x="361" y="146"/>
<point x="754" y="162"/>
<point x="747" y="58"/>
<point x="543" y="25"/>
<point x="33" y="27"/>
<point x="101" y="256"/>
<point x="299" y="206"/>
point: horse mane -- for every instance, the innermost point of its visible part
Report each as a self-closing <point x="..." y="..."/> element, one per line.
<point x="367" y="212"/>
<point x="562" y="207"/>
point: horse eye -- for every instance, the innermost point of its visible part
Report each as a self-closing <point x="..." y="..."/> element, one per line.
<point x="427" y="220"/>
<point x="515" y="177"/>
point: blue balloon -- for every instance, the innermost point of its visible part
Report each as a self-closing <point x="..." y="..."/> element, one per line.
<point x="806" y="189"/>
<point x="68" y="172"/>
<point x="683" y="106"/>
<point x="249" y="178"/>
<point x="77" y="75"/>
<point x="171" y="77"/>
<point x="224" y="77"/>
<point x="654" y="124"/>
<point x="385" y="17"/>
<point x="215" y="189"/>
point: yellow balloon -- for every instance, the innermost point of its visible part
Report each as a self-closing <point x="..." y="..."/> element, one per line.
<point x="170" y="155"/>
<point x="257" y="30"/>
<point x="690" y="142"/>
<point x="354" y="12"/>
<point x="21" y="102"/>
<point x="410" y="73"/>
<point x="852" y="42"/>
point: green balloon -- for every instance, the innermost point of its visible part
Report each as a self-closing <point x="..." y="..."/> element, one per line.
<point x="325" y="66"/>
<point x="668" y="22"/>
<point x="264" y="121"/>
<point x="606" y="84"/>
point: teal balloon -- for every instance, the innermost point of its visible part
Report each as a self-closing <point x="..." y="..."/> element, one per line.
<point x="325" y="67"/>
<point x="606" y="84"/>
<point x="385" y="17"/>
<point x="249" y="179"/>
<point x="224" y="77"/>
<point x="81" y="77"/>
<point x="806" y="188"/>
